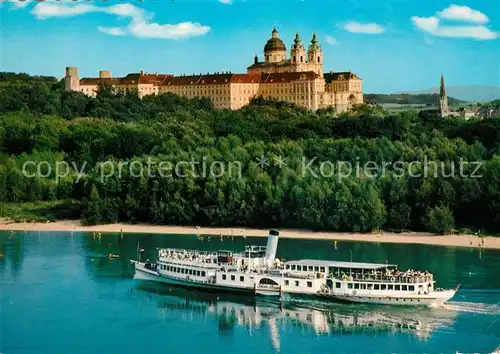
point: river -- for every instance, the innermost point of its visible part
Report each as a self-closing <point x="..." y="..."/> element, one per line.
<point x="61" y="293"/>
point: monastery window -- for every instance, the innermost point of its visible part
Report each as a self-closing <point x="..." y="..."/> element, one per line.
<point x="223" y="276"/>
<point x="301" y="59"/>
<point x="309" y="284"/>
<point x="319" y="59"/>
<point x="337" y="285"/>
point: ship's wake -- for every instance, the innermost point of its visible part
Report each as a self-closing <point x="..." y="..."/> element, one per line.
<point x="473" y="307"/>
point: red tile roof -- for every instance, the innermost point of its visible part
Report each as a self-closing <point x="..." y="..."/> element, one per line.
<point x="210" y="79"/>
<point x="346" y="75"/>
<point x="130" y="79"/>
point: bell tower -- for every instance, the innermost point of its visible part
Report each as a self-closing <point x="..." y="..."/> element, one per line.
<point x="298" y="52"/>
<point x="315" y="55"/>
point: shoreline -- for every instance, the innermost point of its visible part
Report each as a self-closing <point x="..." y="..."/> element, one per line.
<point x="383" y="237"/>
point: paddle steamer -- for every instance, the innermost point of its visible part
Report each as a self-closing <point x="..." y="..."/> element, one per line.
<point x="257" y="271"/>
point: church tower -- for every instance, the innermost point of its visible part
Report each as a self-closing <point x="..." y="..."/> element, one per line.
<point x="315" y="55"/>
<point x="298" y="52"/>
<point x="444" y="110"/>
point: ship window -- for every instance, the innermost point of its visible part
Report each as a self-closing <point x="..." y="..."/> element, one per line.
<point x="287" y="266"/>
<point x="202" y="273"/>
<point x="349" y="285"/>
<point x="363" y="286"/>
<point x="296" y="283"/>
<point x="316" y="269"/>
<point x="299" y="267"/>
<point x="223" y="276"/>
<point x="397" y="287"/>
<point x="411" y="287"/>
<point x="293" y="266"/>
<point x="310" y="268"/>
<point x="242" y="278"/>
<point x="390" y="287"/>
<point x="383" y="287"/>
<point x="233" y="277"/>
<point x="197" y="273"/>
<point x="356" y="285"/>
<point x="404" y="287"/>
<point x="322" y="269"/>
<point x="309" y="284"/>
<point x="370" y="286"/>
<point x="337" y="285"/>
<point x="376" y="287"/>
<point x="287" y="282"/>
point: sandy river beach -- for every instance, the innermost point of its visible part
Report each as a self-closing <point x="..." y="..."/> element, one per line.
<point x="384" y="237"/>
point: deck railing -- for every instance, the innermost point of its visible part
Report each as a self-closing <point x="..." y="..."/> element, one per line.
<point x="379" y="278"/>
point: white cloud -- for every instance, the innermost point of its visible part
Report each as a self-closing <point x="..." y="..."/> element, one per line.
<point x="331" y="40"/>
<point x="463" y="13"/>
<point x="139" y="25"/>
<point x="46" y="10"/>
<point x="366" y="28"/>
<point x="433" y="26"/>
<point x="178" y="31"/>
<point x="112" y="31"/>
<point x="227" y="2"/>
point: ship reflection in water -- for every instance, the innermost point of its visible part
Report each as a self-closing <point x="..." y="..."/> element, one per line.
<point x="318" y="318"/>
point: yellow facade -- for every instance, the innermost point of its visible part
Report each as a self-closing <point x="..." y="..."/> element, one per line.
<point x="299" y="79"/>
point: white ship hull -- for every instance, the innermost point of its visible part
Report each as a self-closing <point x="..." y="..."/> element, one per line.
<point x="434" y="299"/>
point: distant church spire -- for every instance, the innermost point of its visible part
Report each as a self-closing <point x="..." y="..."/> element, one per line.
<point x="443" y="99"/>
<point x="442" y="90"/>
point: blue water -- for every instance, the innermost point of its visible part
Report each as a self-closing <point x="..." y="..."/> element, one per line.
<point x="60" y="293"/>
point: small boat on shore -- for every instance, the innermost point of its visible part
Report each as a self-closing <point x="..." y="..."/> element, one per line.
<point x="258" y="272"/>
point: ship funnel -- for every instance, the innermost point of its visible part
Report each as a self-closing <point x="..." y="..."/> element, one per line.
<point x="272" y="246"/>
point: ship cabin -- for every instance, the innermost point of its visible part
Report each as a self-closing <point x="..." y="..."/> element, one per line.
<point x="255" y="251"/>
<point x="366" y="278"/>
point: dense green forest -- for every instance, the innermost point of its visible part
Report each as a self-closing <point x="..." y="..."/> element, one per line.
<point x="45" y="126"/>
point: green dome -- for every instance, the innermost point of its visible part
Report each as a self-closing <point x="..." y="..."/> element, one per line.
<point x="274" y="44"/>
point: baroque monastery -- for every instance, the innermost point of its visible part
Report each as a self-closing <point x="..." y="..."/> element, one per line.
<point x="298" y="79"/>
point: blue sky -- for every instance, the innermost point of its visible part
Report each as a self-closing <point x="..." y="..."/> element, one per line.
<point x="393" y="45"/>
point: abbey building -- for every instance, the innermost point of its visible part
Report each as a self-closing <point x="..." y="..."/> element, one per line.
<point x="298" y="78"/>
